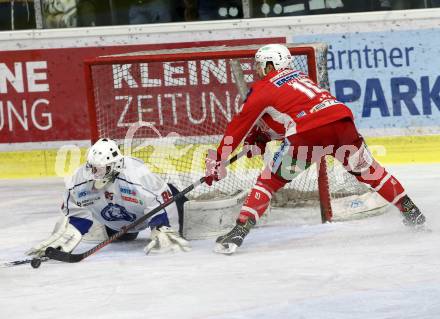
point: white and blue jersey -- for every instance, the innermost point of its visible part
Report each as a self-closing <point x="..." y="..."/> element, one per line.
<point x="135" y="192"/>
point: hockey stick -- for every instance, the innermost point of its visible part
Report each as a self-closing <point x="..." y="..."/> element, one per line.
<point x="35" y="262"/>
<point x="56" y="254"/>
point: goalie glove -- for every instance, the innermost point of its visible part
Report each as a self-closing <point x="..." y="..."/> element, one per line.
<point x="164" y="239"/>
<point x="215" y="171"/>
<point x="258" y="139"/>
<point x="64" y="237"/>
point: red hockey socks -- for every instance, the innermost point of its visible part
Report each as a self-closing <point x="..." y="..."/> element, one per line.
<point x="259" y="197"/>
<point x="384" y="183"/>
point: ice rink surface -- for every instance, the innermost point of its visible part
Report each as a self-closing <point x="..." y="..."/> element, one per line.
<point x="371" y="269"/>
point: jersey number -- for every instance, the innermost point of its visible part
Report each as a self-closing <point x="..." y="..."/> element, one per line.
<point x="307" y="87"/>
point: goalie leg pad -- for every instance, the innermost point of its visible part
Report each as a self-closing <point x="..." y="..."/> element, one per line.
<point x="64" y="237"/>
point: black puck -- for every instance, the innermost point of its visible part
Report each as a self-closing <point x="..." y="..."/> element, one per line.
<point x="36" y="262"/>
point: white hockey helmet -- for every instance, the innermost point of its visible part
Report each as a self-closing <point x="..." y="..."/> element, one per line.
<point x="278" y="54"/>
<point x="104" y="160"/>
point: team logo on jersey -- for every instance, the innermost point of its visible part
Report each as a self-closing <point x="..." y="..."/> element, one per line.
<point x="283" y="80"/>
<point x="84" y="193"/>
<point x="115" y="212"/>
<point x="88" y="201"/>
<point x="130" y="199"/>
<point x="108" y="195"/>
<point x="324" y="104"/>
<point x="301" y="114"/>
<point x="127" y="191"/>
<point x="281" y="74"/>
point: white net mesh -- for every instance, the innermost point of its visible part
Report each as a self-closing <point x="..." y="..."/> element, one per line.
<point x="175" y="105"/>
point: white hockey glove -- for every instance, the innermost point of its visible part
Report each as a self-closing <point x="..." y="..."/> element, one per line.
<point x="164" y="239"/>
<point x="64" y="237"/>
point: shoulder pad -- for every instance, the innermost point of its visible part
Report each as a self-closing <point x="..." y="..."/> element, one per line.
<point x="79" y="177"/>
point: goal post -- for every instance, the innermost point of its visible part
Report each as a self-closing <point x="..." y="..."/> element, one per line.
<point x="168" y="107"/>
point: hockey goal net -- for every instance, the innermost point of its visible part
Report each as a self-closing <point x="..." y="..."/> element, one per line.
<point x="169" y="107"/>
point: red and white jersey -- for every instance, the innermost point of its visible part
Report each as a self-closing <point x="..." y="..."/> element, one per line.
<point x="283" y="103"/>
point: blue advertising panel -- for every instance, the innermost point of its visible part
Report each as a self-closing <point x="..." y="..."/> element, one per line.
<point x="389" y="79"/>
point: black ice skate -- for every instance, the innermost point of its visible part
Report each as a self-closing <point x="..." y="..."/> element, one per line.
<point x="228" y="244"/>
<point x="412" y="215"/>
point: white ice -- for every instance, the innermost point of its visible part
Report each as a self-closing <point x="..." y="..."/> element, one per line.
<point x="364" y="269"/>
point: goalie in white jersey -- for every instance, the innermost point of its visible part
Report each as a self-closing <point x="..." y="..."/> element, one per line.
<point x="115" y="190"/>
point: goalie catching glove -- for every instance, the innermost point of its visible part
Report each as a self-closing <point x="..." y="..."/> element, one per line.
<point x="164" y="239"/>
<point x="256" y="140"/>
<point x="65" y="237"/>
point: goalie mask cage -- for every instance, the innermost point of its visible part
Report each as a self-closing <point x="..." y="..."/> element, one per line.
<point x="168" y="107"/>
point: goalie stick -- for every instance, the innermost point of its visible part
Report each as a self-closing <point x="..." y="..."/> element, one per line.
<point x="59" y="255"/>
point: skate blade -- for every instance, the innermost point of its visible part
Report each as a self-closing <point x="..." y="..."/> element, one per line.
<point x="225" y="250"/>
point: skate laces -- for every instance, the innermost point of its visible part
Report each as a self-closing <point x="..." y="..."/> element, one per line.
<point x="238" y="233"/>
<point x="411" y="213"/>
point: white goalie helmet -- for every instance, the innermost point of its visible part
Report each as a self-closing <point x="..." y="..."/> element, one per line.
<point x="278" y="54"/>
<point x="104" y="161"/>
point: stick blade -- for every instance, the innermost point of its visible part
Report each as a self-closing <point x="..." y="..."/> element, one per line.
<point x="228" y="249"/>
<point x="59" y="255"/>
<point x="14" y="263"/>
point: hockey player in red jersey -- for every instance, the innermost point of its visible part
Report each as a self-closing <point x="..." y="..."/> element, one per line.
<point x="286" y="105"/>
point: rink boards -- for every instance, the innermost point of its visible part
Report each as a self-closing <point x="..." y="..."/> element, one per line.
<point x="43" y="162"/>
